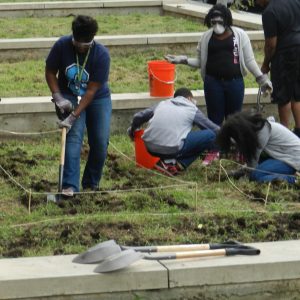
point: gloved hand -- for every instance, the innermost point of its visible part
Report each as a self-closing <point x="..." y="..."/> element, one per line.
<point x="237" y="174"/>
<point x="265" y="84"/>
<point x="130" y="133"/>
<point x="68" y="122"/>
<point x="65" y="106"/>
<point x="176" y="59"/>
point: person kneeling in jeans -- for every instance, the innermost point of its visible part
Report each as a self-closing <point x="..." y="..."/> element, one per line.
<point x="270" y="149"/>
<point x="169" y="133"/>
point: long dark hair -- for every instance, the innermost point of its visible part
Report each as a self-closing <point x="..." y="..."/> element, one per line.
<point x="241" y="128"/>
<point x="219" y="10"/>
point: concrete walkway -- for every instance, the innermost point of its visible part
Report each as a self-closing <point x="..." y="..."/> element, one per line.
<point x="58" y="278"/>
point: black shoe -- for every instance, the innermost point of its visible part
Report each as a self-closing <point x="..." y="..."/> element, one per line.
<point x="91" y="189"/>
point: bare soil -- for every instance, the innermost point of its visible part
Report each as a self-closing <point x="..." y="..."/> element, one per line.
<point x="67" y="234"/>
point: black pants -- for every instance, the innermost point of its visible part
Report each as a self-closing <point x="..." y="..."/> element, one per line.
<point x="285" y="75"/>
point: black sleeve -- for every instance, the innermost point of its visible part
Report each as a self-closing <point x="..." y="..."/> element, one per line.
<point x="270" y="24"/>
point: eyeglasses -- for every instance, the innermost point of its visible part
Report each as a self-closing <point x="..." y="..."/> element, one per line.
<point x="215" y="22"/>
<point x="82" y="45"/>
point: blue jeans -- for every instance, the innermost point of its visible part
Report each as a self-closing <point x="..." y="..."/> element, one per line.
<point x="96" y="119"/>
<point x="195" y="143"/>
<point x="271" y="165"/>
<point x="223" y="97"/>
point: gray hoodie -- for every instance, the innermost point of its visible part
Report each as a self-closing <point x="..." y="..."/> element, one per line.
<point x="279" y="143"/>
<point x="170" y="121"/>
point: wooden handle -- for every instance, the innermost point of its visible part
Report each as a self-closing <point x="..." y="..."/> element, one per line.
<point x="203" y="253"/>
<point x="63" y="145"/>
<point x="180" y="248"/>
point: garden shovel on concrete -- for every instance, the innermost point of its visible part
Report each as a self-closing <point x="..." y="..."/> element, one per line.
<point x="127" y="257"/>
<point x="98" y="253"/>
<point x="57" y="197"/>
<point x="102" y="250"/>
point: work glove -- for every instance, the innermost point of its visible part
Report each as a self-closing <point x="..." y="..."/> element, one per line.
<point x="176" y="59"/>
<point x="130" y="133"/>
<point x="68" y="122"/>
<point x="265" y="84"/>
<point x="65" y="106"/>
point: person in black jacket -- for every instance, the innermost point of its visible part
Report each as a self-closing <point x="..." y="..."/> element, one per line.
<point x="281" y="25"/>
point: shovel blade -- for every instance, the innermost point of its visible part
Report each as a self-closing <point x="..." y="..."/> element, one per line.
<point x="98" y="253"/>
<point x="119" y="261"/>
<point x="55" y="198"/>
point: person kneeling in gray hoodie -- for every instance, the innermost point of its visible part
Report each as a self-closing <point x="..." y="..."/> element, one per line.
<point x="169" y="133"/>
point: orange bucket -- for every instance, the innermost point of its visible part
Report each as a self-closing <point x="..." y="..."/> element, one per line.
<point x="142" y="156"/>
<point x="161" y="78"/>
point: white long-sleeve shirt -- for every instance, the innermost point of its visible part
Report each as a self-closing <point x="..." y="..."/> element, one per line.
<point x="246" y="55"/>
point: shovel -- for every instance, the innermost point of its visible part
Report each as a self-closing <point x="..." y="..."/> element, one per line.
<point x="103" y="250"/>
<point x="57" y="197"/>
<point x="129" y="256"/>
<point x="98" y="253"/>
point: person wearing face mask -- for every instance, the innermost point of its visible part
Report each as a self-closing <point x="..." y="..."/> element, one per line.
<point x="224" y="55"/>
<point x="169" y="133"/>
<point x="77" y="70"/>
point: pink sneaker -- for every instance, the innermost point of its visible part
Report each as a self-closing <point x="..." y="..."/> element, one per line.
<point x="210" y="157"/>
<point x="239" y="158"/>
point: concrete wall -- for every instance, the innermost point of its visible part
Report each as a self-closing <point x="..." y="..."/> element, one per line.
<point x="36" y="114"/>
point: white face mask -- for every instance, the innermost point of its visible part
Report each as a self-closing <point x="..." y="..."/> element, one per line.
<point x="218" y="29"/>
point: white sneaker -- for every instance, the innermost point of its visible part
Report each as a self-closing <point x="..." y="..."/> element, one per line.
<point x="68" y="192"/>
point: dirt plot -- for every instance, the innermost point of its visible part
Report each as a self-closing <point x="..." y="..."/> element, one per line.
<point x="131" y="207"/>
<point x="185" y="229"/>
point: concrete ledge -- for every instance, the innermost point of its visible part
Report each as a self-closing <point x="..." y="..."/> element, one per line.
<point x="38" y="48"/>
<point x="277" y="261"/>
<point x="119" y="40"/>
<point x="58" y="278"/>
<point x="65" y="8"/>
<point x="194" y="9"/>
<point x="119" y="102"/>
<point x="78" y="4"/>
<point x="36" y="114"/>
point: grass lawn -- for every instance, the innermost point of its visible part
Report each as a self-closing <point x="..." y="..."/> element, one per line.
<point x="108" y="25"/>
<point x="128" y="73"/>
<point x="25" y="78"/>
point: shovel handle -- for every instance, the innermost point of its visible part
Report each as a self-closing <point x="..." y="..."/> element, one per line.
<point x="205" y="253"/>
<point x="62" y="158"/>
<point x="187" y="247"/>
<point x="63" y="145"/>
